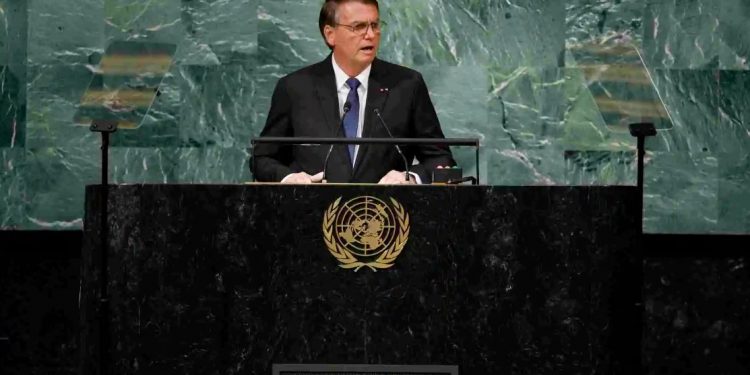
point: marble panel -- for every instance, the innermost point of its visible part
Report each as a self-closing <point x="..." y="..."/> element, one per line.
<point x="13" y="45"/>
<point x="591" y="21"/>
<point x="54" y="181"/>
<point x="180" y="165"/>
<point x="511" y="73"/>
<point x="462" y="113"/>
<point x="735" y="34"/>
<point x="734" y="193"/>
<point x="266" y="78"/>
<point x="685" y="34"/>
<point x="218" y="105"/>
<point x="134" y="165"/>
<point x="65" y="31"/>
<point x="54" y="94"/>
<point x="732" y="133"/>
<point x="161" y="126"/>
<point x="546" y="117"/>
<point x="680" y="193"/>
<point x="12" y="109"/>
<point x="143" y="20"/>
<point x="734" y="159"/>
<point x="213" y="164"/>
<point x="219" y="32"/>
<point x="474" y="32"/>
<point x="288" y="33"/>
<point x="13" y="32"/>
<point x="14" y="199"/>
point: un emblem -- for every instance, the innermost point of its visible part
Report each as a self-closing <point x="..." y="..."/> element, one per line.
<point x="365" y="232"/>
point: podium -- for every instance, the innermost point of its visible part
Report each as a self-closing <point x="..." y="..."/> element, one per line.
<point x="232" y="279"/>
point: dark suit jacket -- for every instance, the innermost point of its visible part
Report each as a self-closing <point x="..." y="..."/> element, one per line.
<point x="305" y="104"/>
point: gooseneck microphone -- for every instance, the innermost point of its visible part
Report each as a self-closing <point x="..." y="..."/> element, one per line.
<point x="347" y="108"/>
<point x="406" y="164"/>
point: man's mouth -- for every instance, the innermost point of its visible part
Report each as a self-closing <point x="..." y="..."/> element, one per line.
<point x="368" y="49"/>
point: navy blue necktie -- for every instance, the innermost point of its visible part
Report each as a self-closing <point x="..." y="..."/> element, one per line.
<point x="351" y="119"/>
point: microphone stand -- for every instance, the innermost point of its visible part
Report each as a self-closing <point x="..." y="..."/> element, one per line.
<point x="641" y="131"/>
<point x="347" y="108"/>
<point x="406" y="163"/>
<point x="105" y="128"/>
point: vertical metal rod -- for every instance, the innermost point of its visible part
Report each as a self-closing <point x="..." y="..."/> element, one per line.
<point x="641" y="156"/>
<point x="476" y="150"/>
<point x="254" y="166"/>
<point x="104" y="273"/>
<point x="641" y="131"/>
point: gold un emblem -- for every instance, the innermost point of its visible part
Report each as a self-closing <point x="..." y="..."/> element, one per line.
<point x="365" y="232"/>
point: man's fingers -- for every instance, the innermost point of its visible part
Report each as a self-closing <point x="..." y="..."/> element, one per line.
<point x="302" y="178"/>
<point x="386" y="179"/>
<point x="295" y="180"/>
<point x="392" y="178"/>
<point x="318" y="177"/>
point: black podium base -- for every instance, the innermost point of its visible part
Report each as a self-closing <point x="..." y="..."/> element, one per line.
<point x="232" y="279"/>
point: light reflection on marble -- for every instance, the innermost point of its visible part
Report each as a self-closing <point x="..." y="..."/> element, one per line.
<point x="474" y="32"/>
<point x="47" y="173"/>
<point x="13" y="205"/>
<point x="13" y="131"/>
<point x="145" y="21"/>
<point x="682" y="189"/>
<point x="65" y="32"/>
<point x="462" y="113"/>
<point x="507" y="72"/>
<point x="207" y="38"/>
<point x="54" y="91"/>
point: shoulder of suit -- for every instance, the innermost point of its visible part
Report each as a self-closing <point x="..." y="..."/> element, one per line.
<point x="302" y="79"/>
<point x="393" y="71"/>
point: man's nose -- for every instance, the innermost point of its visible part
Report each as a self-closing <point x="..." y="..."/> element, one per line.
<point x="370" y="32"/>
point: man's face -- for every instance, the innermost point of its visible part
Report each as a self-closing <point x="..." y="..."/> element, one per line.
<point x="354" y="51"/>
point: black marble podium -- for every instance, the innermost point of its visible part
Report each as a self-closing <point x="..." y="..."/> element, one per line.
<point x="230" y="279"/>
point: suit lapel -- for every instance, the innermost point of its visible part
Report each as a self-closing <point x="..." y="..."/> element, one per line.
<point x="377" y="93"/>
<point x="326" y="91"/>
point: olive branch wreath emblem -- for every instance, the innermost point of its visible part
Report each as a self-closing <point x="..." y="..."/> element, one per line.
<point x="347" y="259"/>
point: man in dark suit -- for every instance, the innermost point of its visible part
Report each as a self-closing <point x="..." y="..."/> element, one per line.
<point x="347" y="88"/>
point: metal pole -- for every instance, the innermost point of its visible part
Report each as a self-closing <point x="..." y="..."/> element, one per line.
<point x="641" y="131"/>
<point x="476" y="150"/>
<point x="104" y="266"/>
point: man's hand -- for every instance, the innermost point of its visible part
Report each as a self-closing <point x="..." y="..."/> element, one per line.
<point x="303" y="178"/>
<point x="396" y="178"/>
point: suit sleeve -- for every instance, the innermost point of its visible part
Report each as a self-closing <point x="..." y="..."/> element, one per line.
<point x="426" y="125"/>
<point x="272" y="162"/>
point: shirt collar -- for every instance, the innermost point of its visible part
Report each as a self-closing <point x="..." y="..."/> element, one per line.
<point x="341" y="77"/>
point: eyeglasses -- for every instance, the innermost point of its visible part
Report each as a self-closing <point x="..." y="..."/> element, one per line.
<point x="360" y="28"/>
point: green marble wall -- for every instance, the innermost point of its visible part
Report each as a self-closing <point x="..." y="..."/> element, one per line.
<point x="510" y="72"/>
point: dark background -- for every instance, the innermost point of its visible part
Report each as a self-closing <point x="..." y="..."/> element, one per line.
<point x="696" y="302"/>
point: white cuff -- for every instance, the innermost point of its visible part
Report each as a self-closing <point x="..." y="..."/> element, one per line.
<point x="416" y="178"/>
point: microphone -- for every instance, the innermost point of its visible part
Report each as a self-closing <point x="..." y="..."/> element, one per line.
<point x="347" y="108"/>
<point x="406" y="164"/>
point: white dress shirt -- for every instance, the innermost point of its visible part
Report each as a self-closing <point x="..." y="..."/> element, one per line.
<point x="342" y="91"/>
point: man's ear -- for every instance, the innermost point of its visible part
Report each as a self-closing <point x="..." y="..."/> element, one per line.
<point x="330" y="35"/>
